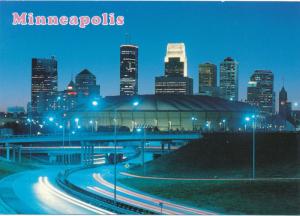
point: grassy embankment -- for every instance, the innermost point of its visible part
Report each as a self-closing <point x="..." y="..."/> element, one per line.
<point x="8" y="168"/>
<point x="229" y="156"/>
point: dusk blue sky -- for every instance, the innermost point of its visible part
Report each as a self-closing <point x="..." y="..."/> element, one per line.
<point x="257" y="35"/>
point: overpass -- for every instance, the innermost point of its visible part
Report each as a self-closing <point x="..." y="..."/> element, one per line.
<point x="104" y="137"/>
<point x="85" y="143"/>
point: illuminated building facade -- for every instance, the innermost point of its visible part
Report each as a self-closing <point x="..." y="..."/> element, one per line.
<point x="229" y="84"/>
<point x="175" y="80"/>
<point x="165" y="113"/>
<point x="128" y="70"/>
<point x="208" y="79"/>
<point x="260" y="91"/>
<point x="43" y="85"/>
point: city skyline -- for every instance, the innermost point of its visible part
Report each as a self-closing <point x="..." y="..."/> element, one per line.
<point x="200" y="47"/>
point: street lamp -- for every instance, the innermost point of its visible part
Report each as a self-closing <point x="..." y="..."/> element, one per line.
<point x="135" y="103"/>
<point x="247" y="119"/>
<point x="253" y="143"/>
<point x="115" y="157"/>
<point x="91" y="123"/>
<point x="193" y="122"/>
<point x="224" y="123"/>
<point x="143" y="146"/>
<point x="76" y="121"/>
<point x="63" y="141"/>
<point x="29" y="121"/>
<point x="95" y="103"/>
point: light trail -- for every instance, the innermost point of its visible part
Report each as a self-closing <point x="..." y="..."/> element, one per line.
<point x="46" y="185"/>
<point x="102" y="181"/>
<point x="132" y="201"/>
<point x="205" y="179"/>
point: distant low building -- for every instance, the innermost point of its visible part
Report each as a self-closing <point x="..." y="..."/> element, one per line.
<point x="16" y="109"/>
<point x="6" y="132"/>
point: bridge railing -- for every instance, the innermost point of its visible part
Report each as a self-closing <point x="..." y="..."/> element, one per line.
<point x="79" y="134"/>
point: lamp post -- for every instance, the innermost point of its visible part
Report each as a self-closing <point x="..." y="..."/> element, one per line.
<point x="76" y="121"/>
<point x="115" y="157"/>
<point x="63" y="140"/>
<point x="92" y="125"/>
<point x="253" y="144"/>
<point x="193" y="122"/>
<point x="143" y="146"/>
<point x="224" y="123"/>
<point x="30" y="132"/>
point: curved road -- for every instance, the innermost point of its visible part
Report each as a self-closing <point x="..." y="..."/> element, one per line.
<point x="36" y="192"/>
<point x="100" y="181"/>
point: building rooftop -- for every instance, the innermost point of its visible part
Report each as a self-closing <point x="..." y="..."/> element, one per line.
<point x="188" y="103"/>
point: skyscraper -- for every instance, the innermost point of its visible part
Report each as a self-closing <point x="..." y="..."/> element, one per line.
<point x="285" y="107"/>
<point x="208" y="79"/>
<point x="175" y="60"/>
<point x="43" y="85"/>
<point x="260" y="90"/>
<point x="128" y="70"/>
<point x="86" y="87"/>
<point x="229" y="84"/>
<point x="175" y="80"/>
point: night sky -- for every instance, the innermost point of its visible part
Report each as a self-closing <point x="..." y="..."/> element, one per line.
<point x="257" y="35"/>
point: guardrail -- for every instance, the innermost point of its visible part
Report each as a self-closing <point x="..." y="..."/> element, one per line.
<point x="98" y="134"/>
<point x="95" y="199"/>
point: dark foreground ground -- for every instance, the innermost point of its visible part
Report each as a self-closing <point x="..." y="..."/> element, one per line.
<point x="8" y="168"/>
<point x="229" y="156"/>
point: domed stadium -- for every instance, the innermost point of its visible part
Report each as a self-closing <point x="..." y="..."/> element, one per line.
<point x="164" y="112"/>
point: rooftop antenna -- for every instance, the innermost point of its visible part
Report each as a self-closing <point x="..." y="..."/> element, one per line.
<point x="282" y="79"/>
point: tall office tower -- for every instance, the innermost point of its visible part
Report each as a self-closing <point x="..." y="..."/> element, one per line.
<point x="260" y="90"/>
<point x="43" y="85"/>
<point x="229" y="85"/>
<point x="175" y="80"/>
<point x="128" y="70"/>
<point x="175" y="60"/>
<point x="285" y="107"/>
<point x="208" y="79"/>
<point x="86" y="87"/>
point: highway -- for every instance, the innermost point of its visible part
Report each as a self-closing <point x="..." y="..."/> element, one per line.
<point x="100" y="181"/>
<point x="36" y="192"/>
